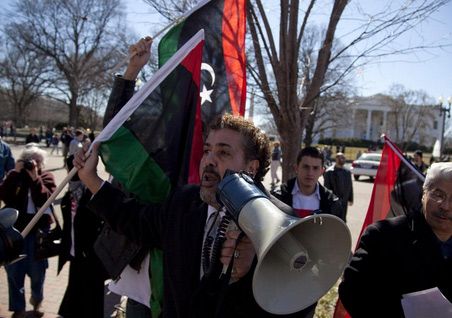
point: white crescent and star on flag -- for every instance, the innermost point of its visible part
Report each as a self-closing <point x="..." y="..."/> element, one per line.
<point x="205" y="93"/>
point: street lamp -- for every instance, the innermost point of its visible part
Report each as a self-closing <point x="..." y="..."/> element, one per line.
<point x="443" y="110"/>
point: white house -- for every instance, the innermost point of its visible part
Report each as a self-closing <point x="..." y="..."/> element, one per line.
<point x="369" y="117"/>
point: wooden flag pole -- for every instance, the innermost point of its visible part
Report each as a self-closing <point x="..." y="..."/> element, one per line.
<point x="175" y="21"/>
<point x="49" y="201"/>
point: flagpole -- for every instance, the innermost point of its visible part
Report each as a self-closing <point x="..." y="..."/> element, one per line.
<point x="52" y="198"/>
<point x="402" y="158"/>
<point x="49" y="201"/>
<point x="174" y="22"/>
<point x="120" y="118"/>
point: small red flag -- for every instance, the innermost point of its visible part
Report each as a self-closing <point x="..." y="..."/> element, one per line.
<point x="397" y="190"/>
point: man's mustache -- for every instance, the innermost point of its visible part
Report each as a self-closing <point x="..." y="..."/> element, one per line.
<point x="211" y="170"/>
<point x="442" y="214"/>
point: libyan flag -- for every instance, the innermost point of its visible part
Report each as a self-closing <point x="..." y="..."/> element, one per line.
<point x="223" y="78"/>
<point x="397" y="191"/>
<point x="155" y="141"/>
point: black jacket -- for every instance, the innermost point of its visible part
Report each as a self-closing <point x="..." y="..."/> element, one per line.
<point x="86" y="227"/>
<point x="329" y="203"/>
<point x="177" y="227"/>
<point x="395" y="256"/>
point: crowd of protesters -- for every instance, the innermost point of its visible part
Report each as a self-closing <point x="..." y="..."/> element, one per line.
<point x="181" y="226"/>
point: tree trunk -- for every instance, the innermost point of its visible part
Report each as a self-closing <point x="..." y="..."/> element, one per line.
<point x="73" y="113"/>
<point x="291" y="143"/>
<point x="309" y="131"/>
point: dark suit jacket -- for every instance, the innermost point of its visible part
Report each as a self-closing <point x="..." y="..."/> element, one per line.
<point x="395" y="256"/>
<point x="177" y="227"/>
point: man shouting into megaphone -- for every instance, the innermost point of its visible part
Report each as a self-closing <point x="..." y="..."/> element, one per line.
<point x="184" y="225"/>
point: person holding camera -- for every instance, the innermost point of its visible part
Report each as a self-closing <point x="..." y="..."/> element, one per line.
<point x="26" y="188"/>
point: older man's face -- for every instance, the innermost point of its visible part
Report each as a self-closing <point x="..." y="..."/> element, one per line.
<point x="437" y="204"/>
<point x="223" y="150"/>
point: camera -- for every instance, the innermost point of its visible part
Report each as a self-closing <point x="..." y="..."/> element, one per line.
<point x="28" y="164"/>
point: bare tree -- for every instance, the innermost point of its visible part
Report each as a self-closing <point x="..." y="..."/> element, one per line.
<point x="171" y="9"/>
<point x="290" y="105"/>
<point x="23" y="77"/>
<point x="329" y="108"/>
<point x="411" y="113"/>
<point x="80" y="37"/>
<point x="331" y="111"/>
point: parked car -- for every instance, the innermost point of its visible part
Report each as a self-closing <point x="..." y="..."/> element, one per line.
<point x="366" y="165"/>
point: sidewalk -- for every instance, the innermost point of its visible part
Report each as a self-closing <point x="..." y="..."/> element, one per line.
<point x="54" y="286"/>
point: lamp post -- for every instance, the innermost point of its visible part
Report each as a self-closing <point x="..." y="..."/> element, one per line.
<point x="443" y="111"/>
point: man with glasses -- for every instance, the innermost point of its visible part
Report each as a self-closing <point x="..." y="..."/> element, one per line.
<point x="403" y="255"/>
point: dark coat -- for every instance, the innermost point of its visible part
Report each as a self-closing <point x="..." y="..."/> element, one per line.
<point x="339" y="180"/>
<point x="84" y="295"/>
<point x="14" y="192"/>
<point x="111" y="245"/>
<point x="329" y="203"/>
<point x="31" y="138"/>
<point x="86" y="225"/>
<point x="394" y="257"/>
<point x="177" y="227"/>
<point x="6" y="159"/>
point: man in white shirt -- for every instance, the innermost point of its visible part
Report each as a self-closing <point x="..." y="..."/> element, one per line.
<point x="304" y="193"/>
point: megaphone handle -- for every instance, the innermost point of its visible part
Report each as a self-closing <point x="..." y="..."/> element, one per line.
<point x="232" y="226"/>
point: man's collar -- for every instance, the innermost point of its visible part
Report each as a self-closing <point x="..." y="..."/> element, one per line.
<point x="211" y="210"/>
<point x="296" y="190"/>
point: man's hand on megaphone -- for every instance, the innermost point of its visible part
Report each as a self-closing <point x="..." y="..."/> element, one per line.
<point x="87" y="167"/>
<point x="241" y="250"/>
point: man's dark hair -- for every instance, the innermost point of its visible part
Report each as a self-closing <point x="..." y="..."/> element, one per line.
<point x="310" y="152"/>
<point x="419" y="153"/>
<point x="256" y="144"/>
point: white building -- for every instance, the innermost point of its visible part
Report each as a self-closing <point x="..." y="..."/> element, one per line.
<point x="370" y="117"/>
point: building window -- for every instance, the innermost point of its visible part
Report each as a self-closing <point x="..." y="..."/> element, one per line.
<point x="435" y="124"/>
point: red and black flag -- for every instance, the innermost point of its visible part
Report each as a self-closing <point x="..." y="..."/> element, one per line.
<point x="223" y="80"/>
<point x="397" y="191"/>
<point x="155" y="142"/>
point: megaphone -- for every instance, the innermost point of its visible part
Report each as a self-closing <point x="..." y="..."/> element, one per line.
<point x="11" y="241"/>
<point x="299" y="260"/>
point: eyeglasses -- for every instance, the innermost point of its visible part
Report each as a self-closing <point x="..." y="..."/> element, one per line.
<point x="440" y="196"/>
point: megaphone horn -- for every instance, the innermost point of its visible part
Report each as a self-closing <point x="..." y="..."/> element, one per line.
<point x="11" y="241"/>
<point x="299" y="260"/>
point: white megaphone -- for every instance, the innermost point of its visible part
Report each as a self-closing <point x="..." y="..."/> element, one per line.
<point x="299" y="260"/>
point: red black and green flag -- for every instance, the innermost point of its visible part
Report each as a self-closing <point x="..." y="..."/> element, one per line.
<point x="397" y="191"/>
<point x="155" y="142"/>
<point x="223" y="80"/>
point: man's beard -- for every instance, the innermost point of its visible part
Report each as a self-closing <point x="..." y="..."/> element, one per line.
<point x="209" y="183"/>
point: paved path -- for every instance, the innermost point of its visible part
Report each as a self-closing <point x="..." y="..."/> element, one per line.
<point x="55" y="285"/>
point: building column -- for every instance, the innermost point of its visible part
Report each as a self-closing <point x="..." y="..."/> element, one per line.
<point x="385" y="121"/>
<point x="353" y="123"/>
<point x="369" y="123"/>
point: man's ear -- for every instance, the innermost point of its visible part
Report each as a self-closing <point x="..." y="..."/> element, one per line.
<point x="253" y="166"/>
